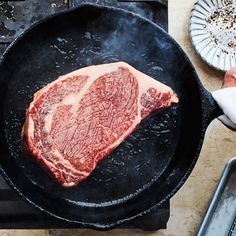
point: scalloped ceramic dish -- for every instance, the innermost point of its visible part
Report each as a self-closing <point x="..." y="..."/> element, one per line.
<point x="212" y="31"/>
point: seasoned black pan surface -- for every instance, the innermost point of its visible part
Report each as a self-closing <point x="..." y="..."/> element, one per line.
<point x="152" y="163"/>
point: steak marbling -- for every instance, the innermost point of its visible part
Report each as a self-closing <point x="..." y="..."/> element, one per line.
<point x="77" y="120"/>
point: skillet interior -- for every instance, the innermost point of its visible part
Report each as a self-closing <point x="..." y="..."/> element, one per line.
<point x="149" y="165"/>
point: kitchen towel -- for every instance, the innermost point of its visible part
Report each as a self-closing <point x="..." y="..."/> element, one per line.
<point x="226" y="99"/>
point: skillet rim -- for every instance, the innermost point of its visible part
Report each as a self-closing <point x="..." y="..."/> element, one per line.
<point x="204" y="95"/>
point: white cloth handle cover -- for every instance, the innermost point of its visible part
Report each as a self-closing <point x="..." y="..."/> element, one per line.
<point x="226" y="99"/>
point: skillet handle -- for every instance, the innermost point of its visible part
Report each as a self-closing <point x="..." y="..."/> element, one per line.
<point x="210" y="108"/>
<point x="226" y="98"/>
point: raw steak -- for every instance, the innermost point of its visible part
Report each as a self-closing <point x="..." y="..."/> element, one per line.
<point x="77" y="120"/>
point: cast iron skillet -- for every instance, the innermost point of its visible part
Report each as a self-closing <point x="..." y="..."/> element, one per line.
<point x="150" y="165"/>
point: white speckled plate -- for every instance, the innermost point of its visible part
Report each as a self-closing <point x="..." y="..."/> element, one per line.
<point x="212" y="31"/>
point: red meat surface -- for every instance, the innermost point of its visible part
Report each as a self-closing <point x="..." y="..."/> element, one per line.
<point x="77" y="120"/>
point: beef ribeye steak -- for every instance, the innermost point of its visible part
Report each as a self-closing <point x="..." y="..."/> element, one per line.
<point x="77" y="120"/>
